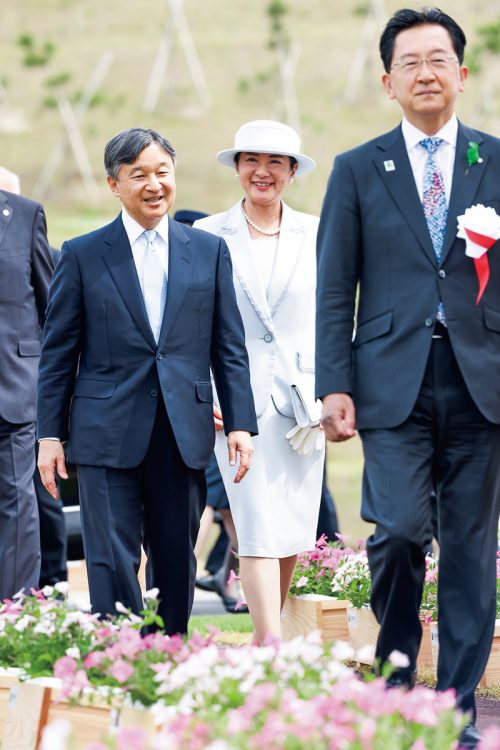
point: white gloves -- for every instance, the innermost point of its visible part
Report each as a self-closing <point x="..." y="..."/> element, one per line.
<point x="305" y="440"/>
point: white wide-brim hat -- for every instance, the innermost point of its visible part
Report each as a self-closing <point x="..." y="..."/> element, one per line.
<point x="267" y="137"/>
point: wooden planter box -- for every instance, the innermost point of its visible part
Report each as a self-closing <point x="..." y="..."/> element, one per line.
<point x="137" y="716"/>
<point x="36" y="703"/>
<point x="491" y="676"/>
<point x="364" y="629"/>
<point x="303" y="614"/>
<point x="8" y="685"/>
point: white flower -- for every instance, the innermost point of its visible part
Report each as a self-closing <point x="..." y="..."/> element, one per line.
<point x="48" y="591"/>
<point x="73" y="651"/>
<point x="366" y="654"/>
<point x="23" y="623"/>
<point x="55" y="735"/>
<point x="121" y="608"/>
<point x="152" y="593"/>
<point x="62" y="587"/>
<point x="482" y="220"/>
<point x="398" y="659"/>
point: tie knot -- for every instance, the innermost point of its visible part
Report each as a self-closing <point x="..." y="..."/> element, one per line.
<point x="150" y="235"/>
<point x="431" y="145"/>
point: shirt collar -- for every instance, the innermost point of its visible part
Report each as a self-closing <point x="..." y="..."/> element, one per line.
<point x="134" y="229"/>
<point x="413" y="135"/>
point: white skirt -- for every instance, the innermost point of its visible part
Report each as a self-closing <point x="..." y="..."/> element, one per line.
<point x="275" y="507"/>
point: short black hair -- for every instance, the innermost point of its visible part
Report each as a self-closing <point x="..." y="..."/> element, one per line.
<point x="125" y="147"/>
<point x="406" y="18"/>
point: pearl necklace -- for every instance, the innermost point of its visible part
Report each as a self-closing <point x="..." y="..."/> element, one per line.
<point x="258" y="229"/>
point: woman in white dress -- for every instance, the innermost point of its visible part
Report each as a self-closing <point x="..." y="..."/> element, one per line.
<point x="273" y="250"/>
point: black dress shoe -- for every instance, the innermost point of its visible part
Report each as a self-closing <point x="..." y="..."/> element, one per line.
<point x="207" y="583"/>
<point x="402" y="678"/>
<point x="469" y="738"/>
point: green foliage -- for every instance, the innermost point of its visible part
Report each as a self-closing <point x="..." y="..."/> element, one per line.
<point x="35" y="54"/>
<point x="278" y="37"/>
<point x="58" y="80"/>
<point x="490" y="37"/>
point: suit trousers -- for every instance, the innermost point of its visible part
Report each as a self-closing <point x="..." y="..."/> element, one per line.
<point x="19" y="529"/>
<point x="157" y="503"/>
<point x="448" y="446"/>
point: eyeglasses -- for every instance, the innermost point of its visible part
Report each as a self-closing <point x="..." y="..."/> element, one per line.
<point x="436" y="63"/>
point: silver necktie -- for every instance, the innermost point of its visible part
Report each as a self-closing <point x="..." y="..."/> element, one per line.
<point x="154" y="284"/>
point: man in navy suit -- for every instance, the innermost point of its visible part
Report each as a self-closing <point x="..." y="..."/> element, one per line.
<point x="420" y="378"/>
<point x="139" y="311"/>
<point x="25" y="270"/>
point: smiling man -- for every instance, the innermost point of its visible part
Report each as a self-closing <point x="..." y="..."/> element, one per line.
<point x="420" y="378"/>
<point x="139" y="312"/>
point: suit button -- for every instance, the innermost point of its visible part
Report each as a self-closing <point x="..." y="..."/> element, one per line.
<point x="268" y="338"/>
<point x="442" y="273"/>
<point x="159" y="356"/>
<point x="429" y="322"/>
<point x="153" y="393"/>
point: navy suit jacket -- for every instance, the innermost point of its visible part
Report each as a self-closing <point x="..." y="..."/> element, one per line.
<point x="374" y="242"/>
<point x="101" y="371"/>
<point x="26" y="266"/>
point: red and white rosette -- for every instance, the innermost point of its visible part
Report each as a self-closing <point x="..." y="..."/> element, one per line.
<point x="479" y="226"/>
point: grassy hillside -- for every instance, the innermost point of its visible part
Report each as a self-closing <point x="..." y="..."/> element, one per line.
<point x="231" y="38"/>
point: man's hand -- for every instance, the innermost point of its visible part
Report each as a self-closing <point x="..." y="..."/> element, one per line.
<point x="219" y="424"/>
<point x="50" y="458"/>
<point x="240" y="442"/>
<point x="338" y="417"/>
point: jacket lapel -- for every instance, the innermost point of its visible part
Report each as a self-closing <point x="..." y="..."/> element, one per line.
<point x="290" y="246"/>
<point x="394" y="168"/>
<point x="235" y="233"/>
<point x="181" y="260"/>
<point x="465" y="182"/>
<point x="6" y="212"/>
<point x="120" y="263"/>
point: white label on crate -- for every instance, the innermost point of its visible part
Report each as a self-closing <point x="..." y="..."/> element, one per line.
<point x="13" y="695"/>
<point x="352" y="618"/>
<point x="435" y="637"/>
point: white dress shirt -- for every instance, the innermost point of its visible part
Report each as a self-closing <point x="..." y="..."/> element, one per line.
<point x="138" y="242"/>
<point x="445" y="155"/>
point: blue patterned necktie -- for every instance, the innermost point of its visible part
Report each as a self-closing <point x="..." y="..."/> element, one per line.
<point x="434" y="203"/>
<point x="154" y="284"/>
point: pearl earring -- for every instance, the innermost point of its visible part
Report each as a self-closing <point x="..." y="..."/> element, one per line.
<point x="292" y="179"/>
<point x="236" y="174"/>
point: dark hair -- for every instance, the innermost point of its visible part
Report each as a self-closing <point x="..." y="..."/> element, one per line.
<point x="125" y="147"/>
<point x="293" y="160"/>
<point x="406" y="18"/>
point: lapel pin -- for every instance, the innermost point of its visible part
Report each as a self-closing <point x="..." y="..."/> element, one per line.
<point x="389" y="166"/>
<point x="6" y="212"/>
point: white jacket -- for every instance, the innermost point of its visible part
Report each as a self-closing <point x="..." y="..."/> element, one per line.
<point x="279" y="331"/>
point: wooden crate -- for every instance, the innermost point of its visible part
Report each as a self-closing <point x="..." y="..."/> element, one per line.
<point x="8" y="683"/>
<point x="26" y="716"/>
<point x="491" y="676"/>
<point x="303" y="615"/>
<point x="136" y="716"/>
<point x="91" y="719"/>
<point x="363" y="631"/>
<point x="36" y="703"/>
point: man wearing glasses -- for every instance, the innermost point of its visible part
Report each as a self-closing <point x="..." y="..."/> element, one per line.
<point x="420" y="380"/>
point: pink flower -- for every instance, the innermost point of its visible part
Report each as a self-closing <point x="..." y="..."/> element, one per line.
<point x="132" y="738"/>
<point x="303" y="581"/>
<point x="419" y="745"/>
<point x="232" y="577"/>
<point x="93" y="659"/>
<point x="121" y="670"/>
<point x="490" y="739"/>
<point x="65" y="667"/>
<point x="80" y="681"/>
